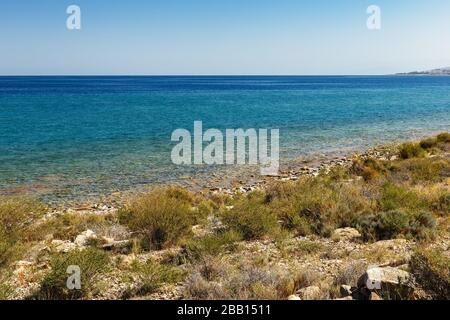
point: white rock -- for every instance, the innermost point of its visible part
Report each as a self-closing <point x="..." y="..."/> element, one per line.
<point x="82" y="239"/>
<point x="383" y="278"/>
<point x="294" y="297"/>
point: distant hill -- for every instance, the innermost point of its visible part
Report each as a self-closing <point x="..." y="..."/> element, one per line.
<point x="434" y="72"/>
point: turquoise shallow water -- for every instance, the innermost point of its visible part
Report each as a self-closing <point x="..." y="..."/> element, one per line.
<point x="84" y="136"/>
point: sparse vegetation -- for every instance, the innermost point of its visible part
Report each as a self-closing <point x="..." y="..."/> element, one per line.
<point x="150" y="276"/>
<point x="308" y="247"/>
<point x="216" y="279"/>
<point x="211" y="245"/>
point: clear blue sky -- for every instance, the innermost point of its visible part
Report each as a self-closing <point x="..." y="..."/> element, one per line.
<point x="223" y="37"/>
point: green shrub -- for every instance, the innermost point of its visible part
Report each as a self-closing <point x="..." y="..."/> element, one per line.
<point x="384" y="225"/>
<point x="395" y="223"/>
<point x="251" y="218"/>
<point x="443" y="137"/>
<point x="431" y="269"/>
<point x="428" y="143"/>
<point x="161" y="217"/>
<point x="411" y="150"/>
<point x="91" y="262"/>
<point x="443" y="204"/>
<point x="397" y="197"/>
<point x="151" y="276"/>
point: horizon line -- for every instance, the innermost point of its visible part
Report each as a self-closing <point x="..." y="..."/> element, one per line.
<point x="195" y="75"/>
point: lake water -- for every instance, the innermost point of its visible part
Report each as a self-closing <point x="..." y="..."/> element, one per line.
<point x="63" y="137"/>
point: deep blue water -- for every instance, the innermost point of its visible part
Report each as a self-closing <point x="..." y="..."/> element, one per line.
<point x="78" y="136"/>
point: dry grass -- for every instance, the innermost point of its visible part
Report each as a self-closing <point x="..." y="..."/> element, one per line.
<point x="149" y="276"/>
<point x="18" y="218"/>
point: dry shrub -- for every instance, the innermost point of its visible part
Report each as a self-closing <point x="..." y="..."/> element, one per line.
<point x="411" y="150"/>
<point x="18" y="217"/>
<point x="251" y="218"/>
<point x="217" y="279"/>
<point x="161" y="218"/>
<point x="318" y="205"/>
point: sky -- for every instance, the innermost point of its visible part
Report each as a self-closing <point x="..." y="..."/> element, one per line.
<point x="227" y="37"/>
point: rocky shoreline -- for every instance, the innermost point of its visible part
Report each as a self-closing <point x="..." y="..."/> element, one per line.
<point x="247" y="180"/>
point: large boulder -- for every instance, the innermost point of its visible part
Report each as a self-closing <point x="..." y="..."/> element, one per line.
<point x="387" y="281"/>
